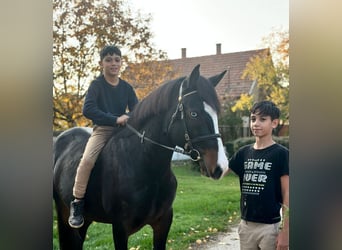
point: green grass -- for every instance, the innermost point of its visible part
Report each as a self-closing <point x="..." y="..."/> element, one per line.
<point x="202" y="208"/>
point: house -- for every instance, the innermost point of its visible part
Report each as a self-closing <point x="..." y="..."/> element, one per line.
<point x="231" y="86"/>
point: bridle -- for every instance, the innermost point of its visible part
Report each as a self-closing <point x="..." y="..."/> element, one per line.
<point x="188" y="148"/>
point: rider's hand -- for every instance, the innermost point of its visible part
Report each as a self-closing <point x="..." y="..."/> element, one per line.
<point x="122" y="120"/>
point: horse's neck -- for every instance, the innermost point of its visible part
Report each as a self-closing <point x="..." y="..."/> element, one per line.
<point x="154" y="130"/>
<point x="153" y="127"/>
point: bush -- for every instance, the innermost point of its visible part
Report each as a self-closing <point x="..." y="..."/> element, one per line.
<point x="283" y="140"/>
<point x="233" y="146"/>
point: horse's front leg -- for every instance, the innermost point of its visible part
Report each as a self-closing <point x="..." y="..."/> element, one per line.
<point x="161" y="230"/>
<point x="120" y="237"/>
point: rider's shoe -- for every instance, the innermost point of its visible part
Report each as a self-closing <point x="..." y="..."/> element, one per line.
<point x="76" y="213"/>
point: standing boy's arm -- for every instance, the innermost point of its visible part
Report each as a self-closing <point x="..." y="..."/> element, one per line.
<point x="283" y="237"/>
<point x="228" y="171"/>
<point x="232" y="163"/>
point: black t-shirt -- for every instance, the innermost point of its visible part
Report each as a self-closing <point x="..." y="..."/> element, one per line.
<point x="259" y="172"/>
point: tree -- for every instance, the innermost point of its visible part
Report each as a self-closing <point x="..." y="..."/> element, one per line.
<point x="270" y="70"/>
<point x="244" y="104"/>
<point x="230" y="123"/>
<point x="260" y="69"/>
<point x="148" y="75"/>
<point x="80" y="29"/>
<point x="279" y="43"/>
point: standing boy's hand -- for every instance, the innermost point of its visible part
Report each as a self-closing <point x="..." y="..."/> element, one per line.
<point x="283" y="240"/>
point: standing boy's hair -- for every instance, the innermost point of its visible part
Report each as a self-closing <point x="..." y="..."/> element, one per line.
<point x="111" y="50"/>
<point x="266" y="108"/>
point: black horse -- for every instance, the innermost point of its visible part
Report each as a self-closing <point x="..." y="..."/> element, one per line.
<point x="132" y="184"/>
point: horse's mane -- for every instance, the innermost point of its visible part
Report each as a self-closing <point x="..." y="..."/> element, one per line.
<point x="161" y="99"/>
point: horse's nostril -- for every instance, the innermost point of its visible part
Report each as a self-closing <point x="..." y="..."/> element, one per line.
<point x="217" y="173"/>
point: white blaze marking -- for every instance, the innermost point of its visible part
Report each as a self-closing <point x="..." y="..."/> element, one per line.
<point x="222" y="160"/>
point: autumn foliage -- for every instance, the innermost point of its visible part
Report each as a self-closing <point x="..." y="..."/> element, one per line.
<point x="80" y="30"/>
<point x="270" y="70"/>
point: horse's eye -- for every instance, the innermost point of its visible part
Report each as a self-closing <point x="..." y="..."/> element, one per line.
<point x="193" y="114"/>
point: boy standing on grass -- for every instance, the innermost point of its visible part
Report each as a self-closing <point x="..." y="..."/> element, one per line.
<point x="263" y="170"/>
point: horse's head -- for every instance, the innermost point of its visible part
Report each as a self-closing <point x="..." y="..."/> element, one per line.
<point x="194" y="123"/>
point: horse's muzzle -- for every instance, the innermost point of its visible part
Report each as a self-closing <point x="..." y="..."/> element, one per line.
<point x="213" y="164"/>
<point x="217" y="173"/>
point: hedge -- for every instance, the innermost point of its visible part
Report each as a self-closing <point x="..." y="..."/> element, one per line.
<point x="233" y="146"/>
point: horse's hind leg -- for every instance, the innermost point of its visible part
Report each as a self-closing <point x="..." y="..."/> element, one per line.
<point x="161" y="230"/>
<point x="69" y="238"/>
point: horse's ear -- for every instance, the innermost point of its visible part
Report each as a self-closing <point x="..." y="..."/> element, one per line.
<point x="195" y="73"/>
<point x="216" y="79"/>
<point x="192" y="79"/>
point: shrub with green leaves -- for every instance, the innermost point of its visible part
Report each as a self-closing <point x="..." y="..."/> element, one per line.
<point x="233" y="146"/>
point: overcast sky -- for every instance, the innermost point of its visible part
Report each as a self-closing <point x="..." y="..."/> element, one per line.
<point x="198" y="25"/>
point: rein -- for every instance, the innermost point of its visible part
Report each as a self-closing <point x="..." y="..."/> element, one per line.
<point x="188" y="148"/>
<point x="143" y="138"/>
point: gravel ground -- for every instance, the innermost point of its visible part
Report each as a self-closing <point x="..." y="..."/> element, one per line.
<point x="222" y="241"/>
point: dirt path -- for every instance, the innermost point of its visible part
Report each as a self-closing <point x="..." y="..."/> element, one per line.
<point x="222" y="241"/>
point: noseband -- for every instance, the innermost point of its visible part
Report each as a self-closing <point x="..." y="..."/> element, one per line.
<point x="188" y="148"/>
